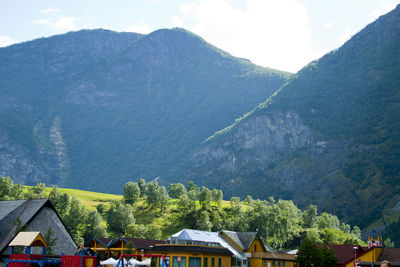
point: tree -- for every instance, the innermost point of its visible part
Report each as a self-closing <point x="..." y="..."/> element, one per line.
<point x="17" y="192"/>
<point x="312" y="255"/>
<point x="6" y="186"/>
<point x="217" y="196"/>
<point x="327" y="220"/>
<point x="176" y="190"/>
<point x="61" y="202"/>
<point x="50" y="241"/>
<point x="283" y="222"/>
<point x="75" y="219"/>
<point x="329" y="258"/>
<point x="100" y="208"/>
<point x="388" y="243"/>
<point x="310" y="216"/>
<point x="94" y="226"/>
<point x="203" y="223"/>
<point x="157" y="196"/>
<point x="131" y="192"/>
<point x="118" y="217"/>
<point x="309" y="254"/>
<point x="205" y="196"/>
<point x="192" y="186"/>
<point x="37" y="191"/>
<point x="143" y="187"/>
<point x="144" y="231"/>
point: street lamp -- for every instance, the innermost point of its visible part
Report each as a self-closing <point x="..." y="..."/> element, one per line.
<point x="355" y="255"/>
<point x="373" y="252"/>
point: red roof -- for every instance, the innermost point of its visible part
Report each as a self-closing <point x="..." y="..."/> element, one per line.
<point x="345" y="253"/>
<point x="390" y="254"/>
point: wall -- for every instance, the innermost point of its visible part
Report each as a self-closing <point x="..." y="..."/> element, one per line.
<point x="46" y="219"/>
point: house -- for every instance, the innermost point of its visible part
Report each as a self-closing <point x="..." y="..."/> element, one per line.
<point x="349" y="254"/>
<point x="194" y="255"/>
<point x="33" y="215"/>
<point x="108" y="247"/>
<point x="248" y="248"/>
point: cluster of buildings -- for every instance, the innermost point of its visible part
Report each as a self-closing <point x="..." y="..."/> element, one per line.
<point x="187" y="248"/>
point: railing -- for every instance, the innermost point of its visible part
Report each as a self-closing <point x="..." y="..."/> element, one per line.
<point x="24" y="263"/>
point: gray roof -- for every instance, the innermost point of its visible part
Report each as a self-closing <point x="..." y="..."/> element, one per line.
<point x="17" y="210"/>
<point x="245" y="239"/>
<point x="207" y="237"/>
<point x="196" y="235"/>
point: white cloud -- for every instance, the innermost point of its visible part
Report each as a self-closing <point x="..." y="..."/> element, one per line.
<point x="50" y="10"/>
<point x="6" y="41"/>
<point x="268" y="32"/>
<point x="63" y="23"/>
<point x="332" y="23"/>
<point x="141" y="28"/>
<point x="385" y="7"/>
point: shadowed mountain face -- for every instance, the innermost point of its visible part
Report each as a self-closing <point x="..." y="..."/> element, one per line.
<point x="331" y="136"/>
<point x="94" y="109"/>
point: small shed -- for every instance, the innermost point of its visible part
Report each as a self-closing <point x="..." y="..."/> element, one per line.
<point x="29" y="239"/>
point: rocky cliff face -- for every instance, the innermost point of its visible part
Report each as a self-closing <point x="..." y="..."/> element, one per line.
<point x="260" y="142"/>
<point x="17" y="163"/>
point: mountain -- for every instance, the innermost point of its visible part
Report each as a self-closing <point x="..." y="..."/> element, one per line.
<point x="95" y="109"/>
<point x="330" y="136"/>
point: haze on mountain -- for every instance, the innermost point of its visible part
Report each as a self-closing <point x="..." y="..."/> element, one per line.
<point x="330" y="136"/>
<point x="95" y="109"/>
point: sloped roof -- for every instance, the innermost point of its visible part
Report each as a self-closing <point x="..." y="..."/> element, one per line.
<point x="140" y="243"/>
<point x="245" y="239"/>
<point x="105" y="241"/>
<point x="14" y="213"/>
<point x="28" y="239"/>
<point x="345" y="253"/>
<point x="197" y="235"/>
<point x="390" y="254"/>
<point x="208" y="237"/>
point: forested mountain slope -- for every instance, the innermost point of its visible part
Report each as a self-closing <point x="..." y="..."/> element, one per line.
<point x="94" y="109"/>
<point x="330" y="136"/>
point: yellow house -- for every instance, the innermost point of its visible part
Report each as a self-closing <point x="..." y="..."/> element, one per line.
<point x="257" y="252"/>
<point x="349" y="254"/>
<point x="182" y="255"/>
<point x="107" y="247"/>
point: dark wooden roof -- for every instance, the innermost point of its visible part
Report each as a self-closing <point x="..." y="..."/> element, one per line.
<point x="143" y="243"/>
<point x="191" y="248"/>
<point x="390" y="254"/>
<point x="345" y="253"/>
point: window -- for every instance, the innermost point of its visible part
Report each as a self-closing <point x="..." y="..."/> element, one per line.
<point x="283" y="263"/>
<point x="273" y="263"/>
<point x="194" y="262"/>
<point x="179" y="261"/>
<point x="212" y="262"/>
<point x="255" y="248"/>
<point x="205" y="263"/>
<point x="219" y="262"/>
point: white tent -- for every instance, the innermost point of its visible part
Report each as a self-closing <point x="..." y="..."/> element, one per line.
<point x="146" y="262"/>
<point x="133" y="262"/>
<point x="109" y="261"/>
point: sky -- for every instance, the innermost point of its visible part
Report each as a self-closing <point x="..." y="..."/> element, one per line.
<point x="280" y="34"/>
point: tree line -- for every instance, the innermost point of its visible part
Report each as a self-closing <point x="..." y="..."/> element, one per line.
<point x="281" y="223"/>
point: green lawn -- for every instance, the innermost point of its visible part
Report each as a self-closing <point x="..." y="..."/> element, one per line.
<point x="91" y="199"/>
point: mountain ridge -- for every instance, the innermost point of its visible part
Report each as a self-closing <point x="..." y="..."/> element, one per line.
<point x="108" y="110"/>
<point x="333" y="125"/>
